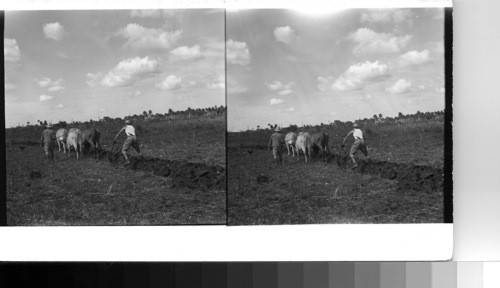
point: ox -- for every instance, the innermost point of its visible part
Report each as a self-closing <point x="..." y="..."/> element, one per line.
<point x="91" y="138"/>
<point x="303" y="144"/>
<point x="319" y="141"/>
<point x="290" y="140"/>
<point x="61" y="136"/>
<point x="75" y="140"/>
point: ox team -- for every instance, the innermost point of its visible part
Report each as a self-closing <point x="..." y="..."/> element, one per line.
<point x="318" y="141"/>
<point x="75" y="138"/>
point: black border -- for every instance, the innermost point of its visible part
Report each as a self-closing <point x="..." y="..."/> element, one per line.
<point x="3" y="156"/>
<point x="227" y="111"/>
<point x="448" y="116"/>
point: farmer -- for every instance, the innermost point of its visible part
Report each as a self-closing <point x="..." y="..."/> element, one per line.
<point x="359" y="143"/>
<point x="276" y="145"/>
<point x="130" y="141"/>
<point x="48" y="141"/>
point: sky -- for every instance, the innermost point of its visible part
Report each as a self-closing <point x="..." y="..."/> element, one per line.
<point x="81" y="65"/>
<point x="288" y="67"/>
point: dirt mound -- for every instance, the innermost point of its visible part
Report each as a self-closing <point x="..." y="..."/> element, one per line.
<point x="262" y="179"/>
<point x="35" y="174"/>
<point x="411" y="177"/>
<point x="182" y="173"/>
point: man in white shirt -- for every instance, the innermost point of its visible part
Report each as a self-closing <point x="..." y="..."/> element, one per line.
<point x="130" y="141"/>
<point x="359" y="143"/>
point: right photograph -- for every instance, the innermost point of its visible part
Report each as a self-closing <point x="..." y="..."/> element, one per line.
<point x="336" y="117"/>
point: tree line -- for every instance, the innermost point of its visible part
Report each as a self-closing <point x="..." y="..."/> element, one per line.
<point x="145" y="116"/>
<point x="374" y="120"/>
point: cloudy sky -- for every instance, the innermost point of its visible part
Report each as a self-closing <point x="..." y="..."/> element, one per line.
<point x="287" y="67"/>
<point x="64" y="65"/>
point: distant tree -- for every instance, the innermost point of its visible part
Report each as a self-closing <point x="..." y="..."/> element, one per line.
<point x="150" y="113"/>
<point x="380" y="116"/>
<point x="170" y="111"/>
<point x="28" y="123"/>
<point x="375" y="117"/>
<point x="45" y="123"/>
<point x="400" y="115"/>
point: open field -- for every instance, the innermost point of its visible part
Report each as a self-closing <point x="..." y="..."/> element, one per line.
<point x="180" y="179"/>
<point x="402" y="184"/>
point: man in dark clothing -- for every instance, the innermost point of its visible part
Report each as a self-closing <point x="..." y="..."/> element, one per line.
<point x="48" y="142"/>
<point x="276" y="145"/>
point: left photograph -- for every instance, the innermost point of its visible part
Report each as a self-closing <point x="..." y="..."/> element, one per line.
<point x="115" y="117"/>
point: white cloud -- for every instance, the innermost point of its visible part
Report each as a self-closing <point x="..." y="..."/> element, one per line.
<point x="145" y="13"/>
<point x="11" y="52"/>
<point x="60" y="105"/>
<point x="9" y="86"/>
<point x="170" y="83"/>
<point x="394" y="15"/>
<point x="275" y="101"/>
<point x="237" y="52"/>
<point x="369" y="41"/>
<point x="44" y="82"/>
<point x="440" y="90"/>
<point x="286" y="92"/>
<point x="291" y="109"/>
<point x="54" y="31"/>
<point x="129" y="71"/>
<point x="139" y="37"/>
<point x="51" y="85"/>
<point x="218" y="83"/>
<point x="415" y="57"/>
<point x="401" y="86"/>
<point x="421" y="87"/>
<point x="93" y="79"/>
<point x="368" y="96"/>
<point x="186" y="53"/>
<point x="44" y="98"/>
<point x="55" y="88"/>
<point x="285" y="34"/>
<point x="324" y="83"/>
<point x="282" y="89"/>
<point x="356" y="76"/>
<point x="278" y="86"/>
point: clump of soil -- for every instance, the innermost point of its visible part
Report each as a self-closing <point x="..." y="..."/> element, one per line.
<point x="262" y="179"/>
<point x="182" y="173"/>
<point x="35" y="174"/>
<point x="409" y="176"/>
